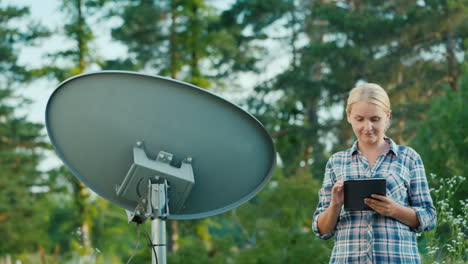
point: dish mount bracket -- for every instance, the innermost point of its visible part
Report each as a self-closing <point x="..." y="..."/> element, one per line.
<point x="153" y="183"/>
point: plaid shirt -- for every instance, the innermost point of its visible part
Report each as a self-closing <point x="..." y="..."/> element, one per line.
<point x="366" y="236"/>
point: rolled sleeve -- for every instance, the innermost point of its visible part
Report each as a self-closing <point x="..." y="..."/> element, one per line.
<point x="420" y="198"/>
<point x="427" y="219"/>
<point x="317" y="232"/>
<point x="324" y="200"/>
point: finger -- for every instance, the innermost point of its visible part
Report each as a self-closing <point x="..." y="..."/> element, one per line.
<point x="373" y="202"/>
<point x="380" y="211"/>
<point x="372" y="205"/>
<point x="338" y="185"/>
<point x="379" y="197"/>
<point x="369" y="201"/>
<point x="337" y="189"/>
<point x="375" y="206"/>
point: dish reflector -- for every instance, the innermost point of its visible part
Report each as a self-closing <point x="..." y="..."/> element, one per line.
<point x="94" y="121"/>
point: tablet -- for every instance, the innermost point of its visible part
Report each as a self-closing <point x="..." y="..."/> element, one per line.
<point x="356" y="190"/>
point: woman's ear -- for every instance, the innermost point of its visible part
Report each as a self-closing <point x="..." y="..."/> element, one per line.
<point x="389" y="120"/>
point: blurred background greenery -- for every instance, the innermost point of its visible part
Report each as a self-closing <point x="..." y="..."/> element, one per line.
<point x="293" y="62"/>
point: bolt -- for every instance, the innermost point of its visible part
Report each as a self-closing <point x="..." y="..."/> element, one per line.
<point x="139" y="143"/>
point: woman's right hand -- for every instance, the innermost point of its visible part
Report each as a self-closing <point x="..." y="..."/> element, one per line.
<point x="337" y="194"/>
<point x="326" y="222"/>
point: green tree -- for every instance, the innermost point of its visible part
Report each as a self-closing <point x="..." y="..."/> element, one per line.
<point x="79" y="57"/>
<point x="21" y="141"/>
<point x="442" y="139"/>
<point x="179" y="38"/>
<point x="351" y="41"/>
<point x="64" y="64"/>
<point x="276" y="225"/>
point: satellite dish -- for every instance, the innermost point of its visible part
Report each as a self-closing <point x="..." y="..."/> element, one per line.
<point x="135" y="139"/>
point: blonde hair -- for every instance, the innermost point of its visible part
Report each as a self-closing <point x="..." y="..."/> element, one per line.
<point x="369" y="92"/>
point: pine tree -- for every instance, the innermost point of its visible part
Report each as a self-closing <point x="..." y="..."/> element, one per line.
<point x="347" y="42"/>
<point x="181" y="39"/>
<point x="67" y="63"/>
<point x="21" y="141"/>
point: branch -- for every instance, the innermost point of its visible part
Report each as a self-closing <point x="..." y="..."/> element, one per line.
<point x="5" y="216"/>
<point x="280" y="133"/>
<point x="237" y="221"/>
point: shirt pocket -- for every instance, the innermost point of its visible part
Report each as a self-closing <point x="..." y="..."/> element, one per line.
<point x="398" y="187"/>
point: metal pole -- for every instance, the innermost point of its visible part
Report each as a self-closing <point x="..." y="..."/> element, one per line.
<point x="158" y="236"/>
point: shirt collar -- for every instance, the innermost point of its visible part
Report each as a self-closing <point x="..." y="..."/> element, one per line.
<point x="393" y="147"/>
<point x="354" y="149"/>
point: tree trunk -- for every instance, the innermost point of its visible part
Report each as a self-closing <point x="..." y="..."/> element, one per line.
<point x="294" y="35"/>
<point x="172" y="41"/>
<point x="80" y="40"/>
<point x="85" y="229"/>
<point x="42" y="255"/>
<point x="195" y="35"/>
<point x="174" y="235"/>
<point x="81" y="194"/>
<point x="452" y="70"/>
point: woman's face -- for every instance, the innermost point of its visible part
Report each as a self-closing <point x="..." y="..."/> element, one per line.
<point x="368" y="121"/>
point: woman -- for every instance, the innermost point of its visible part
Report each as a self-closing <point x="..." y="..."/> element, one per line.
<point x="385" y="234"/>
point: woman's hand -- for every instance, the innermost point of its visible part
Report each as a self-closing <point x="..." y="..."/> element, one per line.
<point x="326" y="222"/>
<point x="337" y="194"/>
<point x="382" y="205"/>
<point x="387" y="207"/>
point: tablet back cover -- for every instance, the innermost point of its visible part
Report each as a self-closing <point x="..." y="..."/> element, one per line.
<point x="356" y="190"/>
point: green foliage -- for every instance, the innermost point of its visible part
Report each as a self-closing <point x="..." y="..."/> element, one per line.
<point x="276" y="224"/>
<point x="75" y="60"/>
<point x="447" y="243"/>
<point x="179" y="38"/>
<point x="21" y="142"/>
<point x="387" y="42"/>
<point x="192" y="252"/>
<point x="110" y="224"/>
<point x="442" y="138"/>
<point x="66" y="63"/>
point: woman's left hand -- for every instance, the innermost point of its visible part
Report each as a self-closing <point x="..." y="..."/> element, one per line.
<point x="382" y="205"/>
